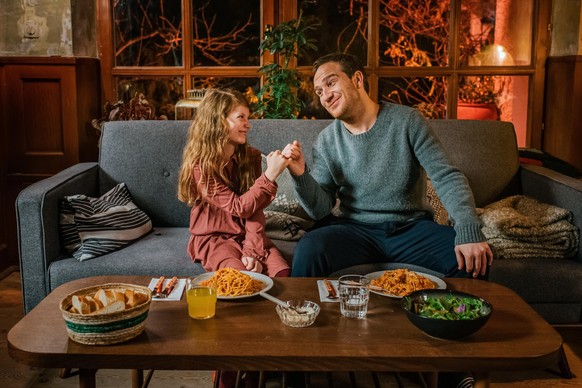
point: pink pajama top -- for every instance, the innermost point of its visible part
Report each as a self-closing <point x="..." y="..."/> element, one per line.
<point x="227" y="222"/>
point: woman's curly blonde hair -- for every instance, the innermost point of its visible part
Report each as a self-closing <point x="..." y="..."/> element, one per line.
<point x="207" y="138"/>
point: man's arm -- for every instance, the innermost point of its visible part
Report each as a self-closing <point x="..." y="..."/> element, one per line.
<point x="312" y="196"/>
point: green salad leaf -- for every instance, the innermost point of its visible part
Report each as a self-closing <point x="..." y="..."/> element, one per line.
<point x="450" y="307"/>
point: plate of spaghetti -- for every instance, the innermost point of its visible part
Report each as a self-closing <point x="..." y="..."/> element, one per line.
<point x="398" y="283"/>
<point x="231" y="283"/>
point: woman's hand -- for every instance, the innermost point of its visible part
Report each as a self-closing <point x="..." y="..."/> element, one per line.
<point x="276" y="164"/>
<point x="252" y="264"/>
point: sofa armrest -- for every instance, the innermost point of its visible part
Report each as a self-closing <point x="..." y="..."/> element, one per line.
<point x="556" y="189"/>
<point x="37" y="217"/>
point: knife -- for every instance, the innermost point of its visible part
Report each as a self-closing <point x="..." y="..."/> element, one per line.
<point x="330" y="289"/>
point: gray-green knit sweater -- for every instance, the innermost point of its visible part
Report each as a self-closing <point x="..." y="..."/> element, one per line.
<point x="380" y="175"/>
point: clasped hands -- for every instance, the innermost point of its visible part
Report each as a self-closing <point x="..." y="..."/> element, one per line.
<point x="291" y="157"/>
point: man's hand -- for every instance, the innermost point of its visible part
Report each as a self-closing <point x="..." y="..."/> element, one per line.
<point x="294" y="152"/>
<point x="252" y="264"/>
<point x="474" y="257"/>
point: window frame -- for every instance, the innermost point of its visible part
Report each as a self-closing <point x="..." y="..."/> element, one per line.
<point x="274" y="11"/>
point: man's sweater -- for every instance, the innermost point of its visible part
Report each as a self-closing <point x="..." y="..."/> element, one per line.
<point x="380" y="175"/>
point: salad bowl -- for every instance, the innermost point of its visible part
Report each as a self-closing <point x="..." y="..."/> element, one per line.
<point x="446" y="314"/>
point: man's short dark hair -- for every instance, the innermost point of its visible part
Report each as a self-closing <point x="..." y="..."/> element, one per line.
<point x="348" y="63"/>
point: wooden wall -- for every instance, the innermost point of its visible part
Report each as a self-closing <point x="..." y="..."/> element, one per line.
<point x="562" y="135"/>
<point x="47" y="104"/>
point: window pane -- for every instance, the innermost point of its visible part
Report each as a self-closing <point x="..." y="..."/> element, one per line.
<point x="248" y="86"/>
<point x="428" y="94"/>
<point x="148" y="33"/>
<point x="343" y="27"/>
<point x="495" y="32"/>
<point x="495" y="98"/>
<point x="414" y="33"/>
<point x="161" y="93"/>
<point x="226" y="32"/>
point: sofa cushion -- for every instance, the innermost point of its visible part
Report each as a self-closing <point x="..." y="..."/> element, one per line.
<point x="285" y="218"/>
<point x="162" y="252"/>
<point x="91" y="227"/>
<point x="440" y="214"/>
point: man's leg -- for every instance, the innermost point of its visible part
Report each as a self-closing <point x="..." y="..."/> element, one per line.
<point x="427" y="244"/>
<point x="330" y="248"/>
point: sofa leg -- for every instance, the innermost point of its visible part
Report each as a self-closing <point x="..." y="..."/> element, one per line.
<point x="563" y="366"/>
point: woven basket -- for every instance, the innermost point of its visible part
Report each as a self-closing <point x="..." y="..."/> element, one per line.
<point x="105" y="329"/>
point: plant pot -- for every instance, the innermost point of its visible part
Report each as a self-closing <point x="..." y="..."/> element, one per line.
<point x="477" y="111"/>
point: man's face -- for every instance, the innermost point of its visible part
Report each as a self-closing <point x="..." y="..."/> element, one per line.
<point x="337" y="92"/>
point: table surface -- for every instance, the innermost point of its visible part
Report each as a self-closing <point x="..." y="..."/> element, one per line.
<point x="246" y="334"/>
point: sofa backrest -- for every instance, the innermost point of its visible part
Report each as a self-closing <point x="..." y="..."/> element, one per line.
<point x="269" y="135"/>
<point x="486" y="152"/>
<point x="146" y="156"/>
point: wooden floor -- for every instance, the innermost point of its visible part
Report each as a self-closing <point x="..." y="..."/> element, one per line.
<point x="13" y="375"/>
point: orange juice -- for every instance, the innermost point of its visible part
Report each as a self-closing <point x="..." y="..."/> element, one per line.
<point x="201" y="302"/>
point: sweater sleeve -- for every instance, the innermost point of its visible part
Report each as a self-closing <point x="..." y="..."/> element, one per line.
<point x="316" y="190"/>
<point x="449" y="182"/>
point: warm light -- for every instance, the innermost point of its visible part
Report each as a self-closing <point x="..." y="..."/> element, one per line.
<point x="492" y="55"/>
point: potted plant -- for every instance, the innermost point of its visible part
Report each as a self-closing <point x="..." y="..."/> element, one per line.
<point x="478" y="98"/>
<point x="277" y="98"/>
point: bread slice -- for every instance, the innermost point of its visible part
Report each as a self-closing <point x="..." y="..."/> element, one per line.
<point x="107" y="297"/>
<point x="80" y="304"/>
<point x="111" y="308"/>
<point x="94" y="304"/>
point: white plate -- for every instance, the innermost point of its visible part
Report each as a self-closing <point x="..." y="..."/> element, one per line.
<point x="265" y="279"/>
<point x="441" y="285"/>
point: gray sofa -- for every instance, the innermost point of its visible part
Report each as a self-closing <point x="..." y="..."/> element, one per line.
<point x="146" y="155"/>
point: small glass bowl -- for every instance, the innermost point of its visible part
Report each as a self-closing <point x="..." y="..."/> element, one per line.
<point x="293" y="318"/>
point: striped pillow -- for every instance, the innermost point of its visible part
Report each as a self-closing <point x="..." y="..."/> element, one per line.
<point x="91" y="227"/>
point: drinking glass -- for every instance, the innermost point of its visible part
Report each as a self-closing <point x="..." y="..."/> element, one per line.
<point x="201" y="300"/>
<point x="354" y="295"/>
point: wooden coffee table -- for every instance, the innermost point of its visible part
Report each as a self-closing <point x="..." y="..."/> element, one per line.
<point x="246" y="334"/>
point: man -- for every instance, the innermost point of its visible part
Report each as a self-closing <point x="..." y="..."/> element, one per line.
<point x="374" y="159"/>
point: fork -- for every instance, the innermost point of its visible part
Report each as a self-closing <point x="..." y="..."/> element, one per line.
<point x="159" y="287"/>
<point x="331" y="293"/>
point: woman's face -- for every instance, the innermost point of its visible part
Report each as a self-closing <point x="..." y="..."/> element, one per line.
<point x="238" y="125"/>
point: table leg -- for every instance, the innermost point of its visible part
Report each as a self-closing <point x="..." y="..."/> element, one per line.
<point x="482" y="380"/>
<point x="87" y="378"/>
<point x="137" y="378"/>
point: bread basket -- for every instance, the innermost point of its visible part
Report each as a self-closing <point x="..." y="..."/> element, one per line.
<point x="108" y="328"/>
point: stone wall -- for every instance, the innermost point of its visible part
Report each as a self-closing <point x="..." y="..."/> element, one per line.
<point x="47" y="27"/>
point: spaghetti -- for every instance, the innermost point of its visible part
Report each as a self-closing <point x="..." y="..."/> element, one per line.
<point x="232" y="282"/>
<point x="401" y="282"/>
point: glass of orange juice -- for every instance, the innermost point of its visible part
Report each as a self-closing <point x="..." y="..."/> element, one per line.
<point x="201" y="300"/>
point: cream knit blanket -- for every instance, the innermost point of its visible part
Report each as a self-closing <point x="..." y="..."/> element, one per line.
<point x="520" y="227"/>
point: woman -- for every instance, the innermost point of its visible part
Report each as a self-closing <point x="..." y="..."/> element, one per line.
<point x="221" y="179"/>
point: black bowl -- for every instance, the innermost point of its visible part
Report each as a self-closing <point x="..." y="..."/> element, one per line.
<point x="444" y="328"/>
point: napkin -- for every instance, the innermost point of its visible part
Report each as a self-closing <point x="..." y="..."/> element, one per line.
<point x="176" y="293"/>
<point x="323" y="291"/>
